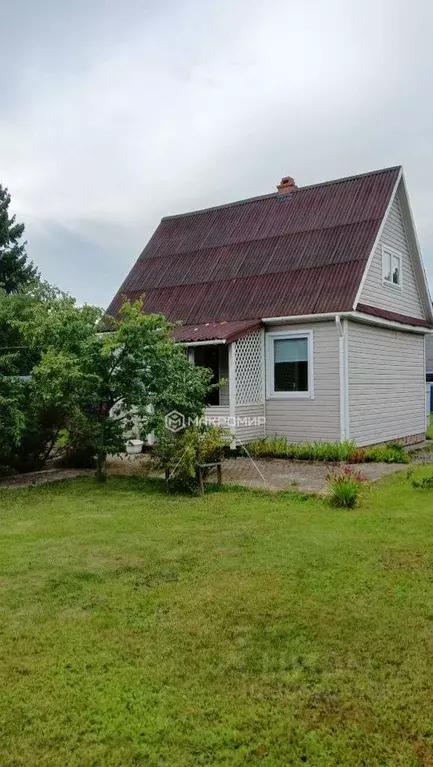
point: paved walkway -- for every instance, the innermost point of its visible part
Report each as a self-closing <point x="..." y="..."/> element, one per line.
<point x="275" y="474"/>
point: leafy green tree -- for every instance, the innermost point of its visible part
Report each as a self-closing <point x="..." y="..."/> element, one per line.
<point x="98" y="384"/>
<point x="15" y="270"/>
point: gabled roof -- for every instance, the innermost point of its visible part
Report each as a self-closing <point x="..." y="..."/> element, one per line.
<point x="271" y="256"/>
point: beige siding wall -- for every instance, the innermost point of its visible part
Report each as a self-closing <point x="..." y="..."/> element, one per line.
<point x="429" y="352"/>
<point x="386" y="384"/>
<point x="249" y="422"/>
<point x="375" y="293"/>
<point x="302" y="420"/>
<point x="217" y="415"/>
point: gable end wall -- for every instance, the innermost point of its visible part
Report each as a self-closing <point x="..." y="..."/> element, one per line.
<point x="374" y="293"/>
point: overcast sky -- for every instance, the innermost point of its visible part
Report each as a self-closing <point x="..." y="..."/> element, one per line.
<point x="113" y="114"/>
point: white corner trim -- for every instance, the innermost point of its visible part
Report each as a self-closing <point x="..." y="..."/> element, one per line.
<point x="343" y="349"/>
<point x="345" y="375"/>
<point x="377" y="240"/>
<point x="281" y="334"/>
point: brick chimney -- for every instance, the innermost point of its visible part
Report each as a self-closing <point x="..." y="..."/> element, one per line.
<point x="287" y="185"/>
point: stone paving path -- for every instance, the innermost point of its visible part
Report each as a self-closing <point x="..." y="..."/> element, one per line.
<point x="276" y="474"/>
<point x="305" y="477"/>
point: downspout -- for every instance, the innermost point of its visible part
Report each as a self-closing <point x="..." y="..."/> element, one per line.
<point x="343" y="348"/>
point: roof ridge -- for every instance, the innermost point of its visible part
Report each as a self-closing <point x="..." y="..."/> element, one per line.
<point x="274" y="195"/>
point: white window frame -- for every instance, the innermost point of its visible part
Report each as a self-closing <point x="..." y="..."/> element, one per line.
<point x="270" y="371"/>
<point x="390" y="252"/>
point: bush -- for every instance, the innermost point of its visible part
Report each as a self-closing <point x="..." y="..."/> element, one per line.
<point x="425" y="484"/>
<point x="182" y="453"/>
<point x="345" y="488"/>
<point x="392" y="453"/>
<point x="279" y="447"/>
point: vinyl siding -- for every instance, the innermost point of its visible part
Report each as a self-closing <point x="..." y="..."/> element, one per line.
<point x="304" y="420"/>
<point x="429" y="352"/>
<point x="374" y="293"/>
<point x="251" y="429"/>
<point x="386" y="384"/>
<point x="217" y="415"/>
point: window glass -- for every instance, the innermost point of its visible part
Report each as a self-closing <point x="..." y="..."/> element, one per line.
<point x="387" y="267"/>
<point x="391" y="268"/>
<point x="291" y="364"/>
<point x="395" y="267"/>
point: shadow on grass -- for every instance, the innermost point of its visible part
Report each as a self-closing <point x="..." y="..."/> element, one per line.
<point x="149" y="486"/>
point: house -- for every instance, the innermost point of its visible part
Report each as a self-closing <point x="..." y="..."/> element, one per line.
<point x="312" y="302"/>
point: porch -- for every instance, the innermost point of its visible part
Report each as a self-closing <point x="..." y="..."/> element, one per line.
<point x="235" y="354"/>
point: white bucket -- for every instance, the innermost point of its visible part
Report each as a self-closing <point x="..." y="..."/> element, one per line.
<point x="134" y="446"/>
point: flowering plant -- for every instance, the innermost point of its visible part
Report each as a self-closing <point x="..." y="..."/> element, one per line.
<point x="345" y="487"/>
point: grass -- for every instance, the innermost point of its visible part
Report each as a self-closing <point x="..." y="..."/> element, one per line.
<point x="280" y="447"/>
<point x="429" y="433"/>
<point x="241" y="628"/>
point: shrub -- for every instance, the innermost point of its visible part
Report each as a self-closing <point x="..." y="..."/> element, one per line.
<point x="182" y="453"/>
<point x="345" y="487"/>
<point x="425" y="484"/>
<point x="393" y="453"/>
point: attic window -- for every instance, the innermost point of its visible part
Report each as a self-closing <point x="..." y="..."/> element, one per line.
<point x="391" y="268"/>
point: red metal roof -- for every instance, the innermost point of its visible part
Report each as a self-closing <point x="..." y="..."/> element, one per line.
<point x="384" y="314"/>
<point x="216" y="331"/>
<point x="304" y="253"/>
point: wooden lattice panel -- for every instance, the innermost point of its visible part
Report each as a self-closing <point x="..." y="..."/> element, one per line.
<point x="249" y="369"/>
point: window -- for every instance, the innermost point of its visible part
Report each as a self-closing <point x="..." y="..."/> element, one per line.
<point x="391" y="262"/>
<point x="289" y="365"/>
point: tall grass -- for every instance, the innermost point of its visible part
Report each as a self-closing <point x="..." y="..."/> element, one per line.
<point x="280" y="447"/>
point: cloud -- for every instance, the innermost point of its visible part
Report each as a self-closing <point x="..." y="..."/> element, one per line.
<point x="116" y="114"/>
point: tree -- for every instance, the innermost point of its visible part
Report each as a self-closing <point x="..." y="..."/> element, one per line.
<point x="101" y="384"/>
<point x="27" y="426"/>
<point x="15" y="269"/>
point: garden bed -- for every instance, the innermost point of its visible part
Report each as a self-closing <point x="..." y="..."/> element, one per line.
<point x="338" y="452"/>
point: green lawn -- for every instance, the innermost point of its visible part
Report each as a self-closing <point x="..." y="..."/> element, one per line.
<point x="235" y="629"/>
